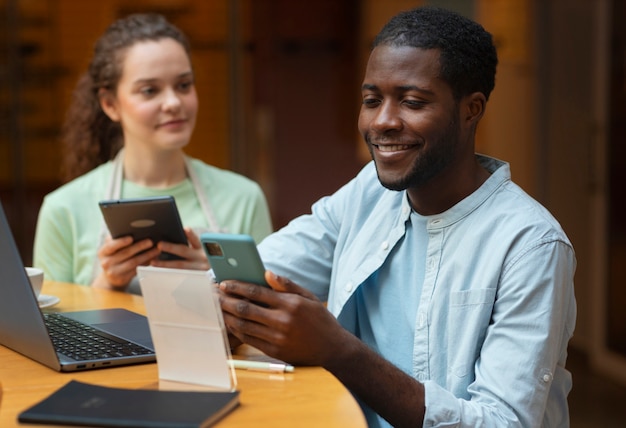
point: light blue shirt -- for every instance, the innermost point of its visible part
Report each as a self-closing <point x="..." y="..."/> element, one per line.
<point x="388" y="298"/>
<point x="496" y="307"/>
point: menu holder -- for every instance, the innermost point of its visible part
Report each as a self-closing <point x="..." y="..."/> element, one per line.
<point x="187" y="327"/>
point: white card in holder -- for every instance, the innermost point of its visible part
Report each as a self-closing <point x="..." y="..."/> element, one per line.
<point x="187" y="327"/>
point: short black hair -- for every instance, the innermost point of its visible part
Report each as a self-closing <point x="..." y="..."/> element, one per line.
<point x="468" y="57"/>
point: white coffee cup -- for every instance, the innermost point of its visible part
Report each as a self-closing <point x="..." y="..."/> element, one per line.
<point x="35" y="275"/>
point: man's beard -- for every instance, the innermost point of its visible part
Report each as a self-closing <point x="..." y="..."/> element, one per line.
<point x="431" y="161"/>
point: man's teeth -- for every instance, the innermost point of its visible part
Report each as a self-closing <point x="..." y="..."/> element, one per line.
<point x="393" y="148"/>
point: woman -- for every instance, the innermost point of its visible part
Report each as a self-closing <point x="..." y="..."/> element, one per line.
<point x="132" y="114"/>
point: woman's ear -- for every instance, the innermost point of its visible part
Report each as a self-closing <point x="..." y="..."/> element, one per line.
<point x="108" y="104"/>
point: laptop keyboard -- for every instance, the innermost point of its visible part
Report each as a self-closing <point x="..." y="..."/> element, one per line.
<point x="80" y="341"/>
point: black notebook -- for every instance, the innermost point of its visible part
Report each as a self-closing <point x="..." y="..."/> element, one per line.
<point x="79" y="403"/>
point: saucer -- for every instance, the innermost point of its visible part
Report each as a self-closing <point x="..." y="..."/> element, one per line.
<point x="45" y="300"/>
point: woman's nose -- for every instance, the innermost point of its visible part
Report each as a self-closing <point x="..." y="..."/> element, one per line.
<point x="171" y="100"/>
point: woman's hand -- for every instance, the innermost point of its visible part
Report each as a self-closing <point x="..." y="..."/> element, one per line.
<point x="193" y="256"/>
<point x="119" y="259"/>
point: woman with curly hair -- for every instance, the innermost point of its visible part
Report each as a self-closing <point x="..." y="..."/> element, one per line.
<point x="132" y="115"/>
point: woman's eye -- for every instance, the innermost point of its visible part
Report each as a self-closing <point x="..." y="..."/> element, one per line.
<point x="185" y="86"/>
<point x="148" y="90"/>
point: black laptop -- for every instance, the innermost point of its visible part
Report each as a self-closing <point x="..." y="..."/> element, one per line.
<point x="69" y="341"/>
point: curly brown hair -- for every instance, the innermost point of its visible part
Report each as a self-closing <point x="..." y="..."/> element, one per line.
<point x="89" y="137"/>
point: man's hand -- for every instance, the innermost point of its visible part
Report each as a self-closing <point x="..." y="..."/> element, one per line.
<point x="285" y="322"/>
<point x="290" y="323"/>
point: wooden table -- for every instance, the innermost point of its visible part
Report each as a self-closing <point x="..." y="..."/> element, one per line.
<point x="308" y="397"/>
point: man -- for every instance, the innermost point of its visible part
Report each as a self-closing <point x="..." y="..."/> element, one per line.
<point x="449" y="290"/>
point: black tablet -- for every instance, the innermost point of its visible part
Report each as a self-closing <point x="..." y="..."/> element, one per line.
<point x="156" y="218"/>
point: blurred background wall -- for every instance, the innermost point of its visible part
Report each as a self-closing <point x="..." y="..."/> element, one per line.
<point x="278" y="82"/>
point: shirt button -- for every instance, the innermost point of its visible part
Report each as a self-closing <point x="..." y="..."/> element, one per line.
<point x="405" y="210"/>
<point x="384" y="245"/>
<point x="422" y="320"/>
<point x="547" y="377"/>
<point x="349" y="286"/>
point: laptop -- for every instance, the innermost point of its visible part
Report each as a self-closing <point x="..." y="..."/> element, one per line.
<point x="121" y="337"/>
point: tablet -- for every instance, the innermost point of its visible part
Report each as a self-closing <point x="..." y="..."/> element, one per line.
<point x="156" y="218"/>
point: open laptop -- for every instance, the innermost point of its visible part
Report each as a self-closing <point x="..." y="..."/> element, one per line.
<point x="23" y="327"/>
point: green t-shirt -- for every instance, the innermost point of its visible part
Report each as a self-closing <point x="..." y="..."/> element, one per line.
<point x="70" y="224"/>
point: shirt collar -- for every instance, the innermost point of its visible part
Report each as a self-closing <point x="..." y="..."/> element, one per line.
<point x="500" y="173"/>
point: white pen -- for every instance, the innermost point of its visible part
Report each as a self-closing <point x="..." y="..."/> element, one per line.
<point x="262" y="366"/>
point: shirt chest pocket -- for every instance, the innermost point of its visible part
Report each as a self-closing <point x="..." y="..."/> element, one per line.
<point x="469" y="316"/>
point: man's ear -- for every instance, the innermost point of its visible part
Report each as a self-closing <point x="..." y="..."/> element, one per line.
<point x="108" y="104"/>
<point x="473" y="108"/>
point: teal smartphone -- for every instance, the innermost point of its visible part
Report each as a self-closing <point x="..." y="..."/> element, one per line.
<point x="234" y="256"/>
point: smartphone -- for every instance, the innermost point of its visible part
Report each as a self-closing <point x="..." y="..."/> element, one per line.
<point x="234" y="256"/>
<point x="156" y="218"/>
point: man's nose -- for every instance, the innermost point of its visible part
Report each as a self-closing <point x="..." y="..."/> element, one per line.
<point x="387" y="117"/>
